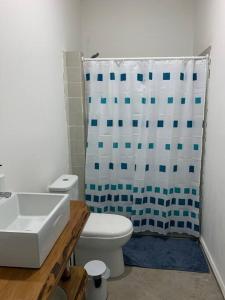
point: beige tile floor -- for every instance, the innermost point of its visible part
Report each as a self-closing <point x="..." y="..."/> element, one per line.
<point x="150" y="284"/>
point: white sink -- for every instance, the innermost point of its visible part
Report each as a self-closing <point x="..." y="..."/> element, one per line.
<point x="30" y="224"/>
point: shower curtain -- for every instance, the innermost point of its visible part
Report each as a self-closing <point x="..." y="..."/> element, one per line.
<point x="144" y="145"/>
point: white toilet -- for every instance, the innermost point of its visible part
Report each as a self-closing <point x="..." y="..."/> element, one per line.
<point x="103" y="235"/>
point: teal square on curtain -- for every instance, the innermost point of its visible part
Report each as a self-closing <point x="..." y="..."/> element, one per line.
<point x="170" y="100"/>
<point x="194" y="192"/>
<point x="127" y="100"/>
<point x="175" y="168"/>
<point x="198" y="100"/>
<point x="128" y="145"/>
<point x="92" y="186"/>
<point x="189" y="124"/>
<point x="120" y="123"/>
<point x="123" y="77"/>
<point x="135" y="123"/>
<point x="195" y="76"/>
<point x="103" y="100"/>
<point x="175" y="123"/>
<point x="124" y="166"/>
<point x="153" y="100"/>
<point x="196" y="147"/>
<point x="100" y="77"/>
<point x="160" y="201"/>
<point x="186" y="191"/>
<point x="180" y="224"/>
<point x="165" y="191"/>
<point x="149" y="188"/>
<point x="171" y="191"/>
<point x="135" y="189"/>
<point x="177" y="190"/>
<point x="152" y="200"/>
<point x="166" y="76"/>
<point x="167" y="146"/>
<point x="111" y="166"/>
<point x="174" y="201"/>
<point x="129" y="187"/>
<point x="112" y="76"/>
<point x="109" y="123"/>
<point x="94" y="122"/>
<point x="97" y="166"/>
<point x="191" y="169"/>
<point x="162" y="168"/>
<point x="140" y="77"/>
<point x="88" y="76"/>
<point x="181" y="201"/>
<point x="160" y="123"/>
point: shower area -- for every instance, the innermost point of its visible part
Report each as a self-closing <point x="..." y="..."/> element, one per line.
<point x="142" y="120"/>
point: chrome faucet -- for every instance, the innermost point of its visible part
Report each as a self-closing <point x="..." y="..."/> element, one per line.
<point x="5" y="194"/>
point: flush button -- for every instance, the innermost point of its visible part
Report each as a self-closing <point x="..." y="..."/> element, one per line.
<point x="65" y="179"/>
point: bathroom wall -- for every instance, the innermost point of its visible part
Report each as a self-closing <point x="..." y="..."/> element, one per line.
<point x="75" y="114"/>
<point x="33" y="133"/>
<point x="210" y="24"/>
<point x="71" y="18"/>
<point x="137" y="27"/>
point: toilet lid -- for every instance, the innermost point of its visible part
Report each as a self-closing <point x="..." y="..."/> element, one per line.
<point x="106" y="225"/>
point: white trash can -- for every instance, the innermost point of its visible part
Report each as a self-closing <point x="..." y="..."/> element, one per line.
<point x="98" y="274"/>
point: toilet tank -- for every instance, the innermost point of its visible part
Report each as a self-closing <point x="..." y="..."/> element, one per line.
<point x="66" y="184"/>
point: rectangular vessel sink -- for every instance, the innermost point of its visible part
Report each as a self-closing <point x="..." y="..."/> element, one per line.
<point x="30" y="224"/>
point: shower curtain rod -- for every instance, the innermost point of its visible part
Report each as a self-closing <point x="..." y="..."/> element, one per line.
<point x="147" y="58"/>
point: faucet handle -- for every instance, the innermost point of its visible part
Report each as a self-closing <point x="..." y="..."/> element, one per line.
<point x="5" y="194"/>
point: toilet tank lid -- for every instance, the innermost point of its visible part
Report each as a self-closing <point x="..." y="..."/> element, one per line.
<point x="63" y="184"/>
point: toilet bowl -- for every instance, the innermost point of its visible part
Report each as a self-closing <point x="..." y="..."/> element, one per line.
<point x="103" y="236"/>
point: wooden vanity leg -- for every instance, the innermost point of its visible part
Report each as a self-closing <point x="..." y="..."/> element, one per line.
<point x="66" y="273"/>
<point x="76" y="286"/>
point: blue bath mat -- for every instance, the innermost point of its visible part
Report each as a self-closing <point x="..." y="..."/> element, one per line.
<point x="165" y="253"/>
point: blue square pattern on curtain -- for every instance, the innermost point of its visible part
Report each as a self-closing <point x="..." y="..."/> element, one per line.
<point x="130" y="142"/>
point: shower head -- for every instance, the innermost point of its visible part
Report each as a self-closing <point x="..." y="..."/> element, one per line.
<point x="95" y="55"/>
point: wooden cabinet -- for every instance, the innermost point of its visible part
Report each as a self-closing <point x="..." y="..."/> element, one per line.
<point x="38" y="284"/>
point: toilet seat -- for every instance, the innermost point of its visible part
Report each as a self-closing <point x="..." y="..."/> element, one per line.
<point x="107" y="226"/>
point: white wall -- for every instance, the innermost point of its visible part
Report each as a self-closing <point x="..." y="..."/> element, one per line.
<point x="33" y="136"/>
<point x="126" y="28"/>
<point x="210" y="25"/>
<point x="72" y="24"/>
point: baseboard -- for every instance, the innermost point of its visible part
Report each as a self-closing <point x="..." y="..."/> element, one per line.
<point x="213" y="266"/>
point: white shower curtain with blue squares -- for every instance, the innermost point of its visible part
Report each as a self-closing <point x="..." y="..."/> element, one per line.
<point x="144" y="146"/>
